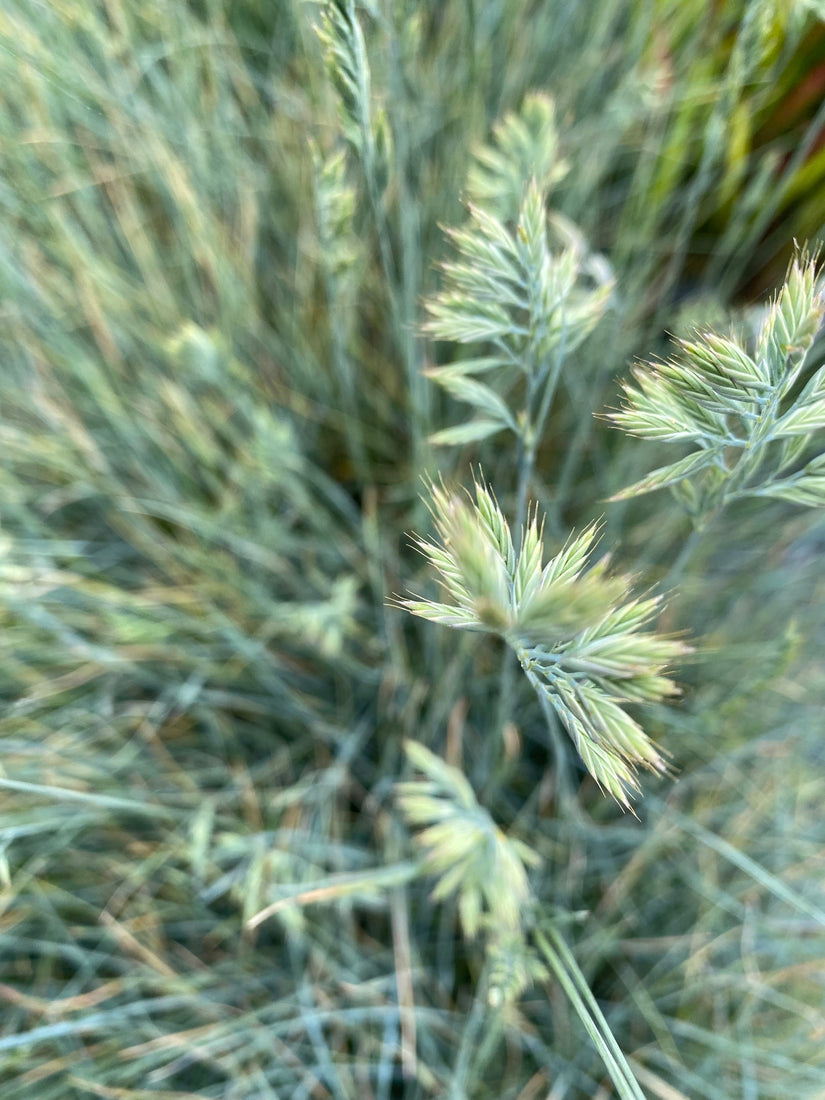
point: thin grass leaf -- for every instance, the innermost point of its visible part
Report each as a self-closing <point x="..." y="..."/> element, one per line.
<point x="572" y="982"/>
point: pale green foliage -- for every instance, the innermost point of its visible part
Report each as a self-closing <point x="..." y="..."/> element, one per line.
<point x="473" y="858"/>
<point x="211" y="396"/>
<point x="525" y="146"/>
<point x="578" y="633"/>
<point x="530" y="304"/>
<point x="736" y="408"/>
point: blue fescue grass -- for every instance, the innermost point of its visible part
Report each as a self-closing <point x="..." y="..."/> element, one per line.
<point x="214" y="425"/>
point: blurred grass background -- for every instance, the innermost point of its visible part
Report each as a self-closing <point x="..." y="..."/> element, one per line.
<point x="213" y="429"/>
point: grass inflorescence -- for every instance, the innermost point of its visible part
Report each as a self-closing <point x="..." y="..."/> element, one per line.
<point x="264" y="267"/>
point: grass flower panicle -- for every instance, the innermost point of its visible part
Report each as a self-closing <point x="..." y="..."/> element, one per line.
<point x="577" y="631"/>
<point x="738" y="410"/>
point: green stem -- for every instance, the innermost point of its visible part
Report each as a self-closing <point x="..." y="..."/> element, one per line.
<point x="544" y="413"/>
<point x="551" y="386"/>
<point x="525" y="464"/>
<point x="402" y="323"/>
<point x="343" y="372"/>
<point x="469" y="1041"/>
<point x="541" y="390"/>
<point x="680" y="563"/>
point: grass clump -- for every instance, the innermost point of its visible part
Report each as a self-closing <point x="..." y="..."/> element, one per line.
<point x="262" y="834"/>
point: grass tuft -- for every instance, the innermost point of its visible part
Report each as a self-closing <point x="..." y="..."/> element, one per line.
<point x="264" y="835"/>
